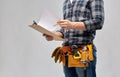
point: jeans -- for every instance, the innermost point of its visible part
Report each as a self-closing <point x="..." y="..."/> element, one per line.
<point x="78" y="71"/>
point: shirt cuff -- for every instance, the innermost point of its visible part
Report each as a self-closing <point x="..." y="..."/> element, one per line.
<point x="87" y="25"/>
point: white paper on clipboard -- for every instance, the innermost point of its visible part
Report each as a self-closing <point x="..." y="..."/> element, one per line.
<point x="48" y="19"/>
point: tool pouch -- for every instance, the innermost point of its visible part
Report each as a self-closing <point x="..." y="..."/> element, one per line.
<point x="75" y="62"/>
<point x="80" y="58"/>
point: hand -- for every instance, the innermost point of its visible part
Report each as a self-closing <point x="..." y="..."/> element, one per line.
<point x="48" y="37"/>
<point x="65" y="24"/>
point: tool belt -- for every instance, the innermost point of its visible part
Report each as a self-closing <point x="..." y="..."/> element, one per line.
<point x="78" y="56"/>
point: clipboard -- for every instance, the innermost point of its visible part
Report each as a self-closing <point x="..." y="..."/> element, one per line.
<point x="45" y="31"/>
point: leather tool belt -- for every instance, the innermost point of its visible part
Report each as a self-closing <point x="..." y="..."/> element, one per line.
<point x="78" y="56"/>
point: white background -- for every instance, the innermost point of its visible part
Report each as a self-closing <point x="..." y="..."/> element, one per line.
<point x="25" y="53"/>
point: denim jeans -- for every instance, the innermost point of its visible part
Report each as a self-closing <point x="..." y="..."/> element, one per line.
<point x="79" y="72"/>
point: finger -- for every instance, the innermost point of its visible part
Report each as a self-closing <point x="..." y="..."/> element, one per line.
<point x="64" y="26"/>
<point x="49" y="38"/>
<point x="61" y="21"/>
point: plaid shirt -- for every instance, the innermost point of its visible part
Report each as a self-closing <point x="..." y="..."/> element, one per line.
<point x="91" y="12"/>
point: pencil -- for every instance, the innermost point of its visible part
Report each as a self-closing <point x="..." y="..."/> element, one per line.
<point x="56" y="24"/>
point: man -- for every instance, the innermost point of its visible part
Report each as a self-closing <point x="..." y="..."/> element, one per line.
<point x="81" y="20"/>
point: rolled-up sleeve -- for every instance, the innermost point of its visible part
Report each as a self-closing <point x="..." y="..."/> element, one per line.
<point x="97" y="17"/>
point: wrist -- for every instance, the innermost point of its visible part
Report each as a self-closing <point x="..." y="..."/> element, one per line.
<point x="78" y="25"/>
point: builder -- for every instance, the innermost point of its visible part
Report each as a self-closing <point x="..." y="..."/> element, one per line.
<point x="78" y="27"/>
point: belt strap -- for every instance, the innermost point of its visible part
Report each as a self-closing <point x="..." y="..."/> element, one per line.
<point x="69" y="49"/>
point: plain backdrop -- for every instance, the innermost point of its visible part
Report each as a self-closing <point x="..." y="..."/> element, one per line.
<point x="24" y="52"/>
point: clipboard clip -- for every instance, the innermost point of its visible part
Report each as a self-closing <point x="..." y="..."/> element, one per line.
<point x="34" y="23"/>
